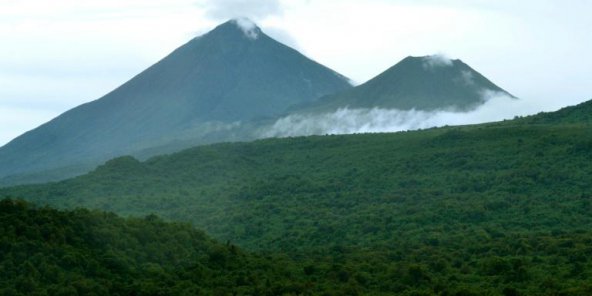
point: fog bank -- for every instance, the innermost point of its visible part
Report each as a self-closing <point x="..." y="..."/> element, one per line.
<point x="376" y="120"/>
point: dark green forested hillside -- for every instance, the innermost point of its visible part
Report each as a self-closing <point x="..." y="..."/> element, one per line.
<point x="475" y="210"/>
<point x="48" y="252"/>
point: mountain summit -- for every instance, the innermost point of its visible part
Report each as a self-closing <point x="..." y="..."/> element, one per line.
<point x="420" y="83"/>
<point x="234" y="73"/>
<point x="249" y="28"/>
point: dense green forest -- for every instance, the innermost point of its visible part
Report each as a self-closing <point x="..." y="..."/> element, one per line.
<point x="493" y="209"/>
<point x="44" y="251"/>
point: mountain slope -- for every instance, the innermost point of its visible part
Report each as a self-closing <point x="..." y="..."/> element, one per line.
<point x="420" y="83"/>
<point x="488" y="209"/>
<point x="234" y="73"/>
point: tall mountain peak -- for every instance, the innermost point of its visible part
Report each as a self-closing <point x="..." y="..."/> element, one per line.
<point x="242" y="26"/>
<point x="198" y="94"/>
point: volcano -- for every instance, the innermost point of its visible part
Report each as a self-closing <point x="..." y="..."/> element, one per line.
<point x="233" y="74"/>
<point x="421" y="83"/>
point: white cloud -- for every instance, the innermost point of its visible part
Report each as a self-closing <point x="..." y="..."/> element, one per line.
<point x="436" y="60"/>
<point x="347" y="121"/>
<point x="267" y="14"/>
<point x="256" y="10"/>
<point x="467" y="78"/>
<point x="247" y="26"/>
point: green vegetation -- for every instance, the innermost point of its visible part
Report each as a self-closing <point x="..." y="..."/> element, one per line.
<point x="48" y="252"/>
<point x="495" y="209"/>
<point x="579" y="114"/>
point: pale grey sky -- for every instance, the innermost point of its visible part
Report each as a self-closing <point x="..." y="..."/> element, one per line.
<point x="58" y="54"/>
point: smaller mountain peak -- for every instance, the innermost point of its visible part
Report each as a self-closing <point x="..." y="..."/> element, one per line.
<point x="249" y="28"/>
<point x="432" y="62"/>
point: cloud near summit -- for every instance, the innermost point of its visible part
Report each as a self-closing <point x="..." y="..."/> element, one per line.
<point x="248" y="27"/>
<point x="256" y="10"/>
<point x="437" y="60"/>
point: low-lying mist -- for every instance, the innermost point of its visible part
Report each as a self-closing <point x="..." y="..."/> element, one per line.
<point x="348" y="121"/>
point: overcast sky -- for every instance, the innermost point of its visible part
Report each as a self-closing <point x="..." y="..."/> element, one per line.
<point x="58" y="54"/>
